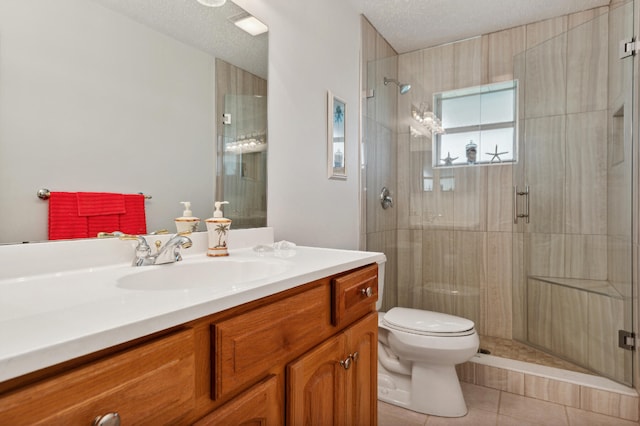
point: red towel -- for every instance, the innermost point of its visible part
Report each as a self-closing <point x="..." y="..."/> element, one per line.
<point x="102" y="223"/>
<point x="100" y="203"/>
<point x="134" y="221"/>
<point x="64" y="222"/>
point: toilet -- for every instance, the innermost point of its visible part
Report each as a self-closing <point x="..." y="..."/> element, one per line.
<point x="417" y="354"/>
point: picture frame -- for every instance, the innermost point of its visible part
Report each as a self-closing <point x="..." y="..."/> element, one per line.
<point x="336" y="137"/>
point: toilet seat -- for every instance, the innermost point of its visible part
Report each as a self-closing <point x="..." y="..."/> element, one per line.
<point x="427" y="323"/>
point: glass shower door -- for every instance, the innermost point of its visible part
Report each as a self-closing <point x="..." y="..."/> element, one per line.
<point x="573" y="196"/>
<point x="242" y="154"/>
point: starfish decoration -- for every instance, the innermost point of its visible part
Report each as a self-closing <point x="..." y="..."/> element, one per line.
<point x="448" y="160"/>
<point x="496" y="155"/>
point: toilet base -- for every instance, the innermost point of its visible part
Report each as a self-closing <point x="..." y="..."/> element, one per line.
<point x="432" y="390"/>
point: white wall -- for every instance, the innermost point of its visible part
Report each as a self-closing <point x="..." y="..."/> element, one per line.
<point x="313" y="47"/>
<point x="92" y="101"/>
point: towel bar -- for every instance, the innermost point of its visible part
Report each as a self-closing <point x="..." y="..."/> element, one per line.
<point x="44" y="194"/>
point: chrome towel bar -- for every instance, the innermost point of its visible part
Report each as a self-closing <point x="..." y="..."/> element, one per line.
<point x="44" y="194"/>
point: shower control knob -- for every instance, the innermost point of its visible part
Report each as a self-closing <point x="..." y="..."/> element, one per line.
<point x="367" y="291"/>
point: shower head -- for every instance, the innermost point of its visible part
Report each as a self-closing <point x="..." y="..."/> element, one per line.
<point x="404" y="88"/>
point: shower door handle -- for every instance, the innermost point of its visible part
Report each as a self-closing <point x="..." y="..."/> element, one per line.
<point x="517" y="194"/>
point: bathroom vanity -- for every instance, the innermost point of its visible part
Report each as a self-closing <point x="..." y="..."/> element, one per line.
<point x="296" y="345"/>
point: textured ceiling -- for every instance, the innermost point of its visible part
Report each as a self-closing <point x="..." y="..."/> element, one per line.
<point x="206" y="28"/>
<point x="410" y="25"/>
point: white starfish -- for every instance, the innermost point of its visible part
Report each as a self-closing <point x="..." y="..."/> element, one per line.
<point x="496" y="155"/>
<point x="448" y="160"/>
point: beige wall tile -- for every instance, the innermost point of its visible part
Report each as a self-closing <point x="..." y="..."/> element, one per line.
<point x="497" y="307"/>
<point x="606" y="317"/>
<point x="576" y="19"/>
<point x="470" y="198"/>
<point x="409" y="281"/>
<point x="385" y="242"/>
<point x="585" y="257"/>
<point x="545" y="82"/>
<point x="491" y="377"/>
<point x="500" y="198"/>
<point x="539" y="312"/>
<point x="515" y="382"/>
<point x="586" y="173"/>
<point x="545" y="254"/>
<point x="467" y="63"/>
<point x="608" y="403"/>
<point x="539" y="32"/>
<point x="519" y="289"/>
<point x="467" y="372"/>
<point x="501" y="47"/>
<point x="569" y="315"/>
<point x="587" y="66"/>
<point x="552" y="390"/>
<point x="545" y="159"/>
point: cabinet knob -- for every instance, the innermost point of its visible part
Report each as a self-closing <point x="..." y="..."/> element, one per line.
<point x="109" y="419"/>
<point x="354" y="356"/>
<point x="346" y="363"/>
<point x="367" y="291"/>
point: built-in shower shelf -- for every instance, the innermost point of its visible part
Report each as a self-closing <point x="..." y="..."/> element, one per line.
<point x="602" y="287"/>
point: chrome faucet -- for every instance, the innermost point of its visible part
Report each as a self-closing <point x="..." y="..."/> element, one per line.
<point x="168" y="253"/>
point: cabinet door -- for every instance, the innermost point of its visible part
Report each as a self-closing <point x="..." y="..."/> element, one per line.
<point x="316" y="386"/>
<point x="151" y="384"/>
<point x="259" y="406"/>
<point x="362" y="385"/>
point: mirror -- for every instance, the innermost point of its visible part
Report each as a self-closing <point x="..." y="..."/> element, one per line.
<point x="116" y="96"/>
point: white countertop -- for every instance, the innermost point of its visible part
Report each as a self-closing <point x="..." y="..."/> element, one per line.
<point x="53" y="317"/>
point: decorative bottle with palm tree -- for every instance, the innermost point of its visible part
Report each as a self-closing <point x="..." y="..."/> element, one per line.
<point x="217" y="229"/>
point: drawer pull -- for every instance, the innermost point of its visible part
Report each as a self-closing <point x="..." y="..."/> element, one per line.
<point x="109" y="419"/>
<point x="346" y="363"/>
<point x="367" y="291"/>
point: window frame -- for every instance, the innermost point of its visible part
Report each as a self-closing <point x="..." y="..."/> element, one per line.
<point x="510" y="85"/>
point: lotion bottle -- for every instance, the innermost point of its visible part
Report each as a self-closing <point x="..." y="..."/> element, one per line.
<point x="217" y="230"/>
<point x="186" y="223"/>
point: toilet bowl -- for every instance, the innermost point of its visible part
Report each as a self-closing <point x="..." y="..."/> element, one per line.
<point x="417" y="354"/>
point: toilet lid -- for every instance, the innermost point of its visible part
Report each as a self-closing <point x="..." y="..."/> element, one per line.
<point x="426" y="322"/>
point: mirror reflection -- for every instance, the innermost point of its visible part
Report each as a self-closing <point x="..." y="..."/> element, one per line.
<point x="124" y="96"/>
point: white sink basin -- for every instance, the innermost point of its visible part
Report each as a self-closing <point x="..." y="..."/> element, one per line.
<point x="210" y="273"/>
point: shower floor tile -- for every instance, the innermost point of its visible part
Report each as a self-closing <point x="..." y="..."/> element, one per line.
<point x="512" y="349"/>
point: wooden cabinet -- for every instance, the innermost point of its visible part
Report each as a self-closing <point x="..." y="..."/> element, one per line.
<point x="236" y="367"/>
<point x="149" y="385"/>
<point x="260" y="405"/>
<point x="335" y="383"/>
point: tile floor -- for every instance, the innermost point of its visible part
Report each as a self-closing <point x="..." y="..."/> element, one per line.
<point x="490" y="407"/>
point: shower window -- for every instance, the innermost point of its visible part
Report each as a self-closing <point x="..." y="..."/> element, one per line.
<point x="480" y="125"/>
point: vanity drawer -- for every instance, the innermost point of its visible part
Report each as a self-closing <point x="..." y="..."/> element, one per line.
<point x="353" y="295"/>
<point x="150" y="384"/>
<point x="245" y="347"/>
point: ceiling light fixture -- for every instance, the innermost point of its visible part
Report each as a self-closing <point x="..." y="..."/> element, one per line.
<point x="250" y="24"/>
<point x="212" y="3"/>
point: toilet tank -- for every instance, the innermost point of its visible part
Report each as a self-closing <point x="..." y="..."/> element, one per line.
<point x="380" y="285"/>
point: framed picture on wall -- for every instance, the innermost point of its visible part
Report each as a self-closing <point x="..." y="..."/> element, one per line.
<point x="336" y="153"/>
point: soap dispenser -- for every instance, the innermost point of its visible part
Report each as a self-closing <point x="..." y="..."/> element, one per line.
<point x="186" y="223"/>
<point x="217" y="229"/>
